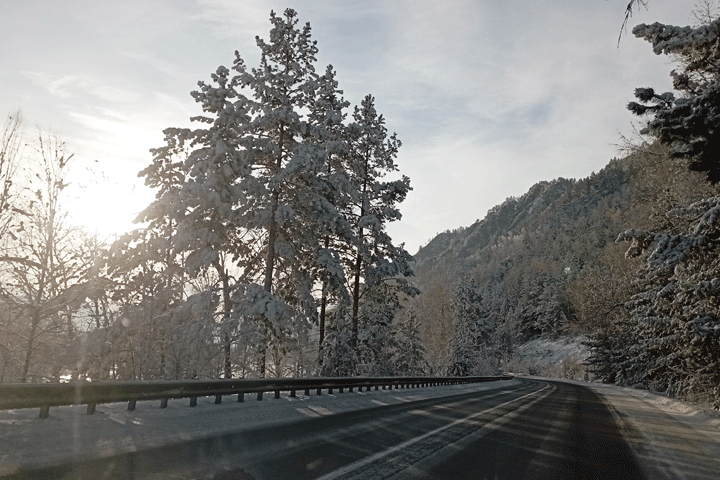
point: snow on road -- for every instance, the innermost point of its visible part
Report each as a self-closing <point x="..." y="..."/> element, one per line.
<point x="70" y="435"/>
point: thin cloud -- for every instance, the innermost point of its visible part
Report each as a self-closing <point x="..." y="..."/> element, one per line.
<point x="68" y="86"/>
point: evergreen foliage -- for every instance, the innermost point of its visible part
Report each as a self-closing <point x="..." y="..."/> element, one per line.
<point x="689" y="122"/>
<point x="275" y="186"/>
<point x="410" y="349"/>
<point x="675" y="333"/>
<point x="470" y="330"/>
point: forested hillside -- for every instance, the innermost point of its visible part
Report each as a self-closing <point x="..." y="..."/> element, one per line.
<point x="625" y="259"/>
<point x="546" y="264"/>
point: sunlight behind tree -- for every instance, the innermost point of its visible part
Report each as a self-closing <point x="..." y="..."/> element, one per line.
<point x="104" y="206"/>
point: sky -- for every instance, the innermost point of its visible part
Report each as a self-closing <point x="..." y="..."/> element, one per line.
<point x="487" y="97"/>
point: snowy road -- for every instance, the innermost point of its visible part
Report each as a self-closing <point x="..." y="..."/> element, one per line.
<point x="524" y="428"/>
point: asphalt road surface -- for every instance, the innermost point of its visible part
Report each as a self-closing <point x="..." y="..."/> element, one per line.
<point x="533" y="429"/>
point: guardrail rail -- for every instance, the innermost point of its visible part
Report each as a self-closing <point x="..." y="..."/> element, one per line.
<point x="44" y="396"/>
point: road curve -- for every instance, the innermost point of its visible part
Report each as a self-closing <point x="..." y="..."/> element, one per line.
<point x="532" y="429"/>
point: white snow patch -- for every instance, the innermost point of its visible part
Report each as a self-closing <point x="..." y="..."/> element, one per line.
<point x="560" y="358"/>
<point x="543" y="350"/>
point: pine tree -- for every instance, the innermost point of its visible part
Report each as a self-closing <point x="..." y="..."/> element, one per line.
<point x="410" y="352"/>
<point x="688" y="123"/>
<point x="269" y="186"/>
<point x="339" y="358"/>
<point x="276" y="189"/>
<point x="196" y="176"/>
<point x="372" y="156"/>
<point x="676" y="344"/>
<point x="470" y="331"/>
<point x="327" y="115"/>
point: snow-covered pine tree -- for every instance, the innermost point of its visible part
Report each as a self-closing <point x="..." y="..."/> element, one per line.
<point x="543" y="308"/>
<point x="688" y="123"/>
<point x="676" y="330"/>
<point x="409" y="350"/>
<point x="676" y="324"/>
<point x="282" y="161"/>
<point x="470" y="332"/>
<point x="327" y="116"/>
<point x="339" y="359"/>
<point x="377" y="337"/>
<point x="148" y="284"/>
<point x="256" y="189"/>
<point x="375" y="258"/>
<point x="195" y="175"/>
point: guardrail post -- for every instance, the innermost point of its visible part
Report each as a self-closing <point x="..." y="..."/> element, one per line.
<point x="377" y="387"/>
<point x="329" y="390"/>
<point x="44" y="411"/>
<point x="218" y="399"/>
<point x="319" y="391"/>
<point x="131" y="405"/>
<point x="90" y="408"/>
<point x="241" y="397"/>
<point x="277" y="394"/>
<point x="307" y="392"/>
<point x="163" y="402"/>
<point x="259" y="395"/>
<point x="341" y="389"/>
<point x="193" y="401"/>
<point x="292" y="393"/>
<point x="359" y="389"/>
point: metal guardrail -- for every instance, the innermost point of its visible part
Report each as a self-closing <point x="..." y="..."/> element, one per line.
<point x="44" y="396"/>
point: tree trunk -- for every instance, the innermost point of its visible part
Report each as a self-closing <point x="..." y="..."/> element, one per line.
<point x="227" y="341"/>
<point x="323" y="308"/>
<point x="323" y="305"/>
<point x="358" y="262"/>
<point x="30" y="345"/>
<point x="356" y="300"/>
<point x="270" y="257"/>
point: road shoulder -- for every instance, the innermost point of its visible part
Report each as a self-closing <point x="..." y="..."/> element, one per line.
<point x="671" y="439"/>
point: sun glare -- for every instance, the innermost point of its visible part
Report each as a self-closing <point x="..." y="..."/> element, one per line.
<point x="107" y="209"/>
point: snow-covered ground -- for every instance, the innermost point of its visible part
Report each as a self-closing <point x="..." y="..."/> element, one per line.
<point x="69" y="434"/>
<point x="561" y="358"/>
